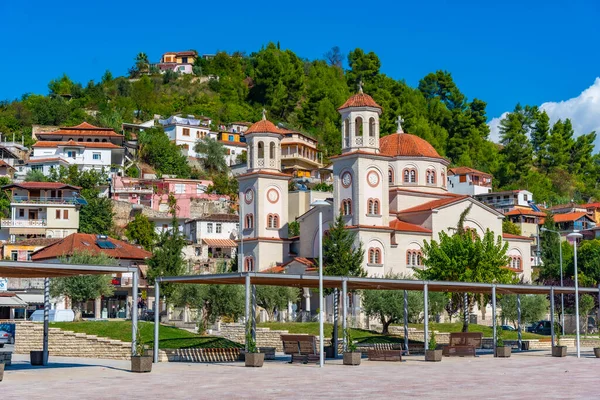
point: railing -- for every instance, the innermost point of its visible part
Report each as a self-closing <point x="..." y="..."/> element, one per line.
<point x="132" y="189"/>
<point x="297" y="155"/>
<point x="23" y="223"/>
<point x="41" y="200"/>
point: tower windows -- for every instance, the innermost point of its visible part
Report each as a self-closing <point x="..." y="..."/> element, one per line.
<point x="375" y="256"/>
<point x="273" y="221"/>
<point x="347" y="207"/>
<point x="516" y="262"/>
<point x="249" y="221"/>
<point x="374" y="206"/>
<point x="261" y="150"/>
<point x="390" y="176"/>
<point x="372" y="128"/>
<point x="413" y="258"/>
<point x="358" y="126"/>
<point x="443" y="179"/>
<point x="430" y="177"/>
<point x="409" y="175"/>
<point x="272" y="151"/>
<point x="249" y="264"/>
<point x="347" y="132"/>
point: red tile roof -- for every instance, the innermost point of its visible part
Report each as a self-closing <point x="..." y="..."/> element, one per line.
<point x="91" y="145"/>
<point x="466" y="170"/>
<point x="568" y="217"/>
<point x="263" y="126"/>
<point x="432" y="205"/>
<point x="407" y="227"/>
<point x="41" y="185"/>
<point x="82" y="129"/>
<point x="87" y="242"/>
<point x="183" y="53"/>
<point x="5" y="164"/>
<point x="525" y="211"/>
<point x="360" y="99"/>
<point x="406" y="145"/>
<point x="228" y="143"/>
<point x="43" y="242"/>
<point x="518" y="237"/>
<point x="592" y="205"/>
<point x="301" y="260"/>
<point x="220" y="242"/>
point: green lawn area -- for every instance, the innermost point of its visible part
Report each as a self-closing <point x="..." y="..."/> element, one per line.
<point x="169" y="337"/>
<point x="486" y="330"/>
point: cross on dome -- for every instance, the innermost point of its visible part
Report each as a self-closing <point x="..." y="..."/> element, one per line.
<point x="360" y="86"/>
<point x="264" y="114"/>
<point x="400" y="121"/>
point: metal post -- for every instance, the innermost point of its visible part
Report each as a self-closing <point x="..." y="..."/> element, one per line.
<point x="46" y="320"/>
<point x="494" y="324"/>
<point x="321" y="311"/>
<point x="134" y="312"/>
<point x="466" y="308"/>
<point x="253" y="313"/>
<point x="156" y="318"/>
<point x="519" y="328"/>
<point x="576" y="301"/>
<point x="247" y="310"/>
<point x="562" y="295"/>
<point x="240" y="256"/>
<point x="336" y="311"/>
<point x="406" y="320"/>
<point x="345" y="311"/>
<point x="426" y="316"/>
<point x="552" y="315"/>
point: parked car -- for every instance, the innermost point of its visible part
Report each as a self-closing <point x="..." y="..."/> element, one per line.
<point x="507" y="328"/>
<point x="5" y="338"/>
<point x="542" y="327"/>
<point x="53" y="316"/>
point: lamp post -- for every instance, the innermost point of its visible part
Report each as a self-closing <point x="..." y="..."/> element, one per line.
<point x="575" y="235"/>
<point x="317" y="203"/>
<point x="562" y="296"/>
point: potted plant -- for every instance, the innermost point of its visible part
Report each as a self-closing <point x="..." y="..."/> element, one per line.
<point x="432" y="354"/>
<point x="558" y="350"/>
<point x="351" y="356"/>
<point x="252" y="358"/>
<point x="501" y="350"/>
<point x="139" y="361"/>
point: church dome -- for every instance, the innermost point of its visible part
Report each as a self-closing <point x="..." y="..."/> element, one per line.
<point x="360" y="99"/>
<point x="263" y="126"/>
<point x="406" y="145"/>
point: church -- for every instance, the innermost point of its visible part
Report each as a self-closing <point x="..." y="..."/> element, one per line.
<point x="391" y="191"/>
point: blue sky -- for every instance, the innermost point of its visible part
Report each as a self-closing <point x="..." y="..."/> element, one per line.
<point x="503" y="52"/>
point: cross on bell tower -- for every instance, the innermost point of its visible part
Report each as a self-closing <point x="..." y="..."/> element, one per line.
<point x="400" y="121"/>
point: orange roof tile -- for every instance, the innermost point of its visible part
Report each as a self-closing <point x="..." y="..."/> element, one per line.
<point x="82" y="129"/>
<point x="525" y="211"/>
<point x="263" y="126"/>
<point x="518" y="237"/>
<point x="407" y="227"/>
<point x="592" y="205"/>
<point x="568" y="217"/>
<point x="87" y="242"/>
<point x="301" y="260"/>
<point x="228" y="143"/>
<point x="406" y="145"/>
<point x="91" y="145"/>
<point x="43" y="160"/>
<point x="41" y="185"/>
<point x="432" y="205"/>
<point x="5" y="164"/>
<point x="466" y="170"/>
<point x="360" y="99"/>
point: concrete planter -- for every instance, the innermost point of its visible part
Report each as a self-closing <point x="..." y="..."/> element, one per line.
<point x="559" y="351"/>
<point x="1" y="371"/>
<point x="141" y="363"/>
<point x="352" y="358"/>
<point x="254" y="359"/>
<point x="597" y="352"/>
<point x="36" y="357"/>
<point x="433" y="355"/>
<point x="502" y="351"/>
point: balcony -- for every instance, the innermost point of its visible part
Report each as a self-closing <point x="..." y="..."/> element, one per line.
<point x="43" y="200"/>
<point x="133" y="189"/>
<point x="23" y="223"/>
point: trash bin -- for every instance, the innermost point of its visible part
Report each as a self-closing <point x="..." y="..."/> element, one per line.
<point x="525" y="345"/>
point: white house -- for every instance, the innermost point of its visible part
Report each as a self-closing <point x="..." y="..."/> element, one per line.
<point x="213" y="239"/>
<point x="469" y="181"/>
<point x="507" y="200"/>
<point x="86" y="155"/>
<point x="186" y="131"/>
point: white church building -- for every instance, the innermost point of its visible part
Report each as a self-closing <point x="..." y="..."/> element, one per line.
<point x="391" y="190"/>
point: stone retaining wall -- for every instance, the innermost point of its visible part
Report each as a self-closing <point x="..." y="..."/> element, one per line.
<point x="198" y="355"/>
<point x="265" y="337"/>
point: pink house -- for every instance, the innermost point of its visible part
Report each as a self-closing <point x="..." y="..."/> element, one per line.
<point x="154" y="193"/>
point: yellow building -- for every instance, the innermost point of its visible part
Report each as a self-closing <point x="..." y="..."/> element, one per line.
<point x="299" y="155"/>
<point x="179" y="57"/>
<point x="22" y="250"/>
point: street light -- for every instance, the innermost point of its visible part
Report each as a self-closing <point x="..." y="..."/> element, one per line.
<point x="575" y="235"/>
<point x="562" y="296"/>
<point x="318" y="203"/>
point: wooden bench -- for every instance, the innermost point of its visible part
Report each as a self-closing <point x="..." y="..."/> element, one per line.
<point x="302" y="348"/>
<point x="463" y="344"/>
<point x="384" y="355"/>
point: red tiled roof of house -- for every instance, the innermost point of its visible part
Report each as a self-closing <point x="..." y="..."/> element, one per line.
<point x="44" y="160"/>
<point x="41" y="185"/>
<point x="592" y="205"/>
<point x="183" y="53"/>
<point x="518" y="237"/>
<point x="91" y="145"/>
<point x="432" y="205"/>
<point x="301" y="260"/>
<point x="406" y="145"/>
<point x="82" y="129"/>
<point x="402" y="226"/>
<point x="466" y="170"/>
<point x="360" y="99"/>
<point x="277" y="269"/>
<point x="5" y="164"/>
<point x="568" y="217"/>
<point x="263" y="126"/>
<point x="86" y="242"/>
<point x="36" y="242"/>
<point x="237" y="144"/>
<point x="525" y="211"/>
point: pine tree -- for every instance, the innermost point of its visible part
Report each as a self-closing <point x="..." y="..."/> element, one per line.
<point x="517" y="150"/>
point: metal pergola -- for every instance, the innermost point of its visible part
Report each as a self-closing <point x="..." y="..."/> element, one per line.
<point x="47" y="270"/>
<point x="354" y="283"/>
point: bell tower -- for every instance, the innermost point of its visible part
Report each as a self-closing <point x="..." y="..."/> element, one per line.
<point x="360" y="123"/>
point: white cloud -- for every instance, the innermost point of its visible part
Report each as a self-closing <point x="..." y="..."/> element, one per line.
<point x="583" y="111"/>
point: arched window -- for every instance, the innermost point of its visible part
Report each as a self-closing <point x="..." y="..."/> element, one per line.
<point x="375" y="256"/>
<point x="249" y="264"/>
<point x="372" y="132"/>
<point x="413" y="258"/>
<point x="358" y="126"/>
<point x="347" y="132"/>
<point x="261" y="150"/>
<point x="347" y="207"/>
<point x="249" y="221"/>
<point x="80" y="140"/>
<point x="373" y="206"/>
<point x="96" y="140"/>
<point x="273" y="221"/>
<point x="443" y="179"/>
<point x="430" y="177"/>
<point x="406" y="174"/>
<point x="413" y="176"/>
<point x="89" y="140"/>
<point x="390" y="175"/>
<point x="272" y="151"/>
<point x="103" y="140"/>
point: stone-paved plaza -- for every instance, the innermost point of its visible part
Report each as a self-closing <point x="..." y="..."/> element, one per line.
<point x="526" y="375"/>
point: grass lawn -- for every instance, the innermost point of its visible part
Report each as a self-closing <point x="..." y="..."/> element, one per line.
<point x="486" y="330"/>
<point x="169" y="337"/>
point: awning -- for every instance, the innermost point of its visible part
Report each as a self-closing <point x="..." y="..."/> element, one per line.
<point x="31" y="298"/>
<point x="220" y="242"/>
<point x="12" y="302"/>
